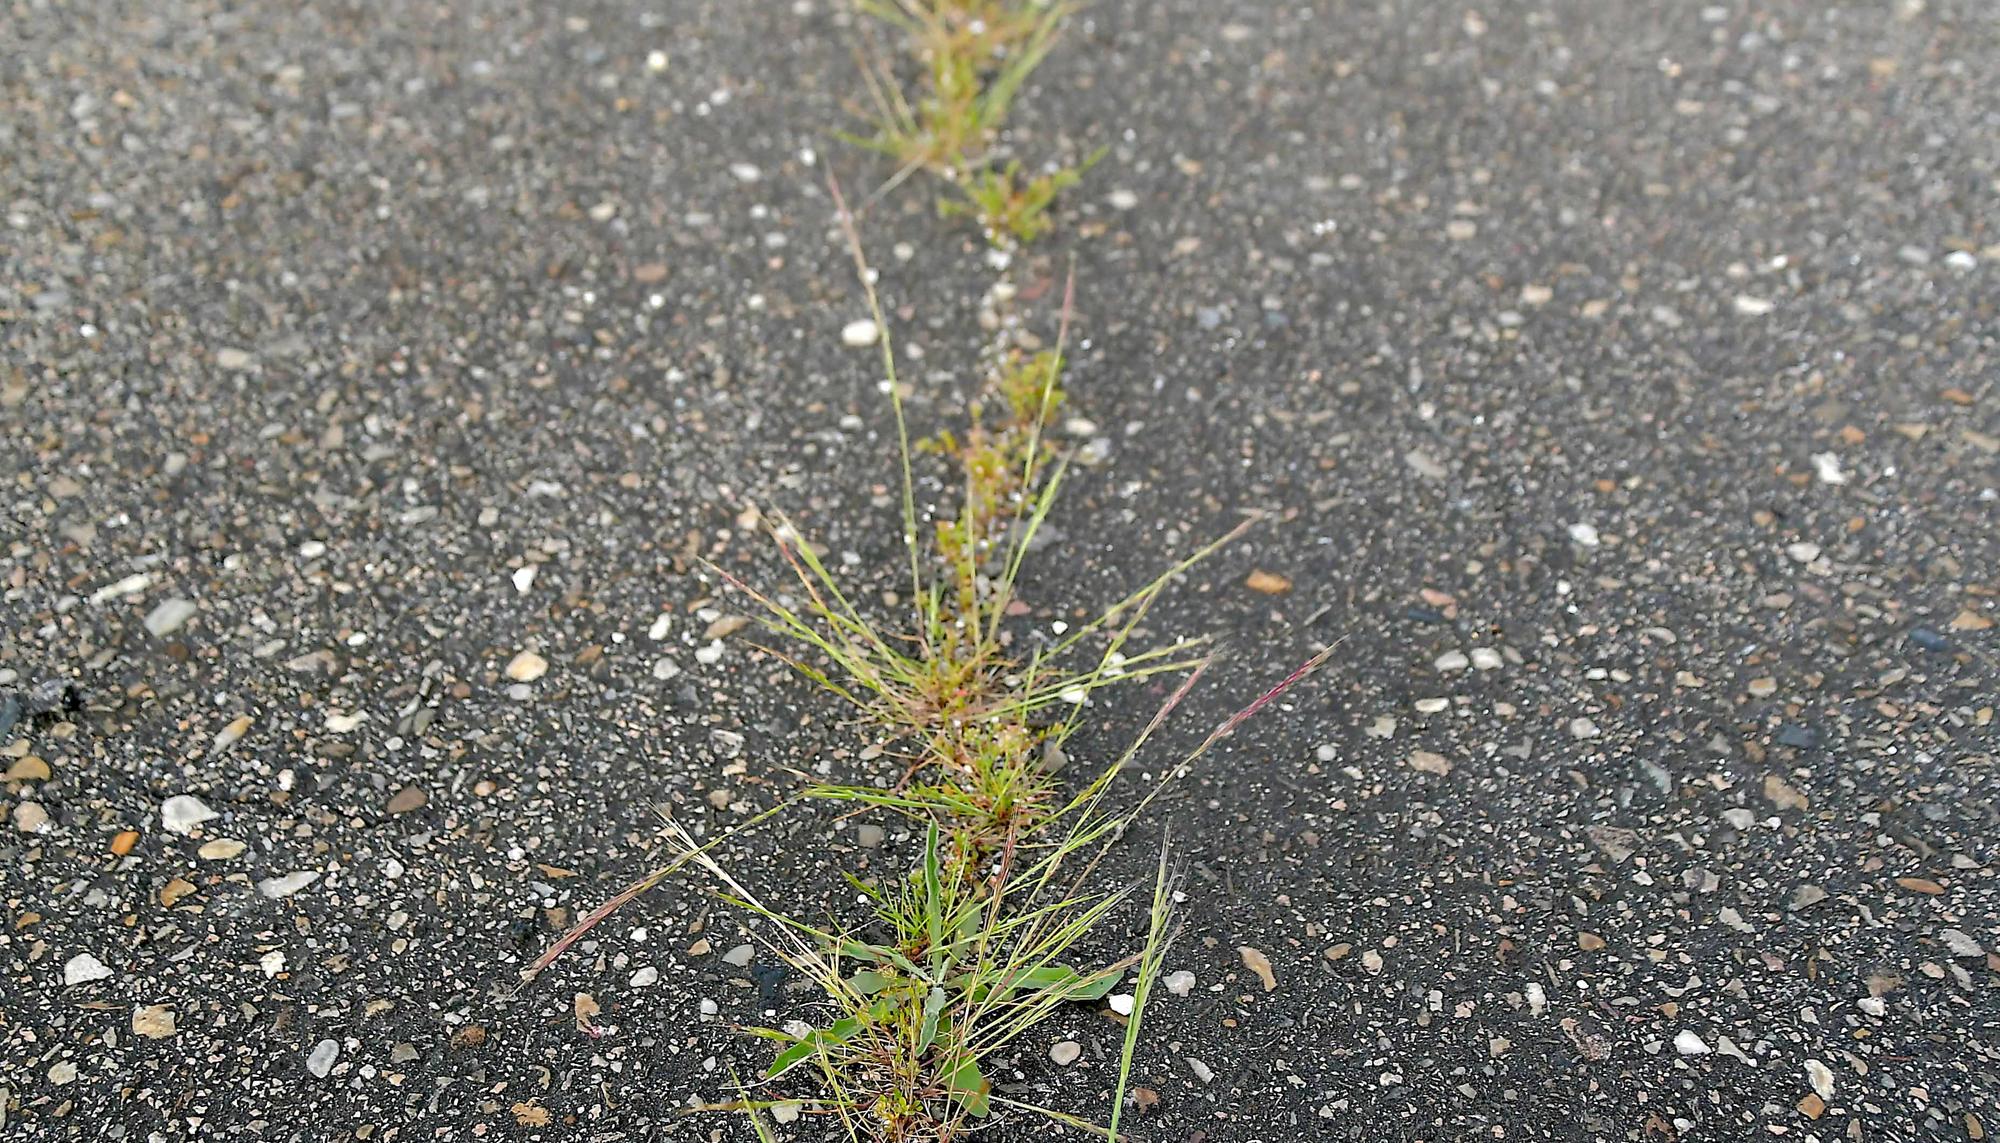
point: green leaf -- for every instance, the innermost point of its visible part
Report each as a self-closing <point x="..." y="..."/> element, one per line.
<point x="793" y="1056"/>
<point x="1072" y="984"/>
<point x="861" y="951"/>
<point x="933" y="890"/>
<point x="811" y="1044"/>
<point x="868" y="982"/>
<point x="867" y="890"/>
<point x="970" y="1089"/>
<point x="933" y="1006"/>
<point x="970" y="922"/>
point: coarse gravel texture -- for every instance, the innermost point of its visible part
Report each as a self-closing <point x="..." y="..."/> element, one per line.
<point x="1621" y="380"/>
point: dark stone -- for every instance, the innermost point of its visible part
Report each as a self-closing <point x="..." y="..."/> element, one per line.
<point x="768" y="978"/>
<point x="51" y="696"/>
<point x="1796" y="736"/>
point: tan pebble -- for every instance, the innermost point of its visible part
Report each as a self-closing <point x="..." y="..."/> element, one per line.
<point x="1260" y="964"/>
<point x="526" y="667"/>
<point x="725" y="627"/>
<point x="229" y="735"/>
<point x="154" y="1021"/>
<point x="28" y="769"/>
<point x="30" y="818"/>
<point x="1268" y="583"/>
<point x="1429" y="763"/>
<point x="1970" y="620"/>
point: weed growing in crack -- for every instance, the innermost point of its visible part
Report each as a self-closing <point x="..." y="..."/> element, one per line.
<point x="970" y="59"/>
<point x="1010" y="206"/>
<point x="982" y="941"/>
<point x="993" y="929"/>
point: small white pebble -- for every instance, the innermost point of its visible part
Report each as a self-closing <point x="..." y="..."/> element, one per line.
<point x="1689" y="1044"/>
<point x="82" y="969"/>
<point x="859" y="334"/>
<point x="1753" y="307"/>
<point x="278" y="888"/>
<point x="1821" y="1078"/>
<point x="324" y="1053"/>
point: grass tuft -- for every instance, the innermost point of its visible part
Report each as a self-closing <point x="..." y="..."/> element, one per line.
<point x="969" y="60"/>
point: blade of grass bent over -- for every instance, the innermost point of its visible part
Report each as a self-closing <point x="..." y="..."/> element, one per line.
<point x="637" y="889"/>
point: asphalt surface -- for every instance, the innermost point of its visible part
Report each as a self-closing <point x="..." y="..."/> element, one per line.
<point x="1620" y="380"/>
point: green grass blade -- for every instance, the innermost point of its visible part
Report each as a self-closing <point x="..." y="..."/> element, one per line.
<point x="1152" y="958"/>
<point x="867" y="279"/>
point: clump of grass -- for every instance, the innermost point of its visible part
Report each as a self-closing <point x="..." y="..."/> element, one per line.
<point x="971" y="58"/>
<point x="993" y="929"/>
<point x="1012" y="207"/>
<point x="986" y="725"/>
<point x="957" y="973"/>
<point x="981" y="942"/>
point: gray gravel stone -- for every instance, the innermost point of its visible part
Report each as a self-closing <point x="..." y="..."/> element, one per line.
<point x="169" y="616"/>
